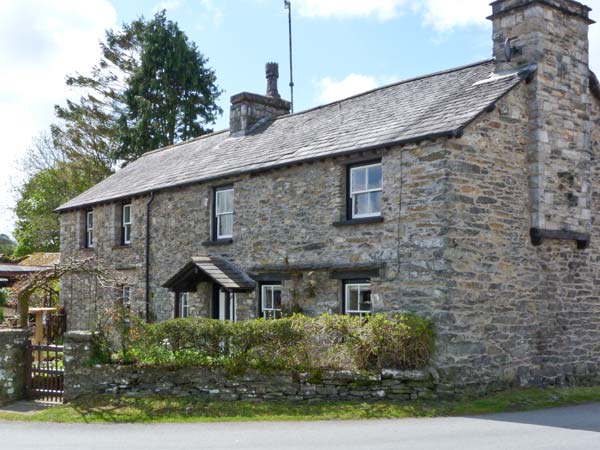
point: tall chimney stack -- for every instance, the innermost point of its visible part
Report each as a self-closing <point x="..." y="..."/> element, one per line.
<point x="249" y="111"/>
<point x="553" y="35"/>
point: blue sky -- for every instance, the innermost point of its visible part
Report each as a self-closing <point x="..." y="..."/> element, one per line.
<point x="341" y="47"/>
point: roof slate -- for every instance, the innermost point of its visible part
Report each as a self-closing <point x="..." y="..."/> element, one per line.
<point x="439" y="104"/>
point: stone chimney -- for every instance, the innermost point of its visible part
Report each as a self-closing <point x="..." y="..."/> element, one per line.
<point x="552" y="35"/>
<point x="250" y="111"/>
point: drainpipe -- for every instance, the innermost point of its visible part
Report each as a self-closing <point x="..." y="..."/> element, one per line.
<point x="148" y="204"/>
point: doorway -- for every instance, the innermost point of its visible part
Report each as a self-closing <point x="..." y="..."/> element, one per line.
<point x="224" y="305"/>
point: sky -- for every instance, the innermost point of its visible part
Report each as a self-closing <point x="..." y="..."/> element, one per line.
<point x="341" y="47"/>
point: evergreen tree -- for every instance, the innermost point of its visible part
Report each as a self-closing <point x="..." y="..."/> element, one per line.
<point x="171" y="94"/>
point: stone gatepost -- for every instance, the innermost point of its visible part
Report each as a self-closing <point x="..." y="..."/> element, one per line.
<point x="13" y="354"/>
<point x="78" y="350"/>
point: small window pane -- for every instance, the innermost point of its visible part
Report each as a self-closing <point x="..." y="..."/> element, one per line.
<point x="365" y="300"/>
<point x="359" y="179"/>
<point x="277" y="299"/>
<point x="126" y="214"/>
<point x="226" y="225"/>
<point x="90" y="220"/>
<point x="375" y="202"/>
<point x="361" y="204"/>
<point x="374" y="178"/>
<point x="225" y="201"/>
<point x="353" y="298"/>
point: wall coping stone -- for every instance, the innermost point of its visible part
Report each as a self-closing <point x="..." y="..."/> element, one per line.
<point x="78" y="336"/>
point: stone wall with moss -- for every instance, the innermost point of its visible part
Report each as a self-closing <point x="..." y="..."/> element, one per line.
<point x="13" y="345"/>
<point x="83" y="379"/>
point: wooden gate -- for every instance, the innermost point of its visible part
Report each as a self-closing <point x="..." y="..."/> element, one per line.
<point x="45" y="372"/>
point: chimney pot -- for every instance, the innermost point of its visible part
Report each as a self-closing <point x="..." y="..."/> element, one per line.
<point x="272" y="70"/>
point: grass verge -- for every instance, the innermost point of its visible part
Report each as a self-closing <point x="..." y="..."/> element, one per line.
<point x="111" y="409"/>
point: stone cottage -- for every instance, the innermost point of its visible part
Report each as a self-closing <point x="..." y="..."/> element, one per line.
<point x="468" y="196"/>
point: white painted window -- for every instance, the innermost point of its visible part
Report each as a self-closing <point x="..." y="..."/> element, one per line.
<point x="126" y="296"/>
<point x="184" y="305"/>
<point x="357" y="298"/>
<point x="89" y="229"/>
<point x="126" y="224"/>
<point x="227" y="306"/>
<point x="366" y="186"/>
<point x="271" y="301"/>
<point x="224" y="213"/>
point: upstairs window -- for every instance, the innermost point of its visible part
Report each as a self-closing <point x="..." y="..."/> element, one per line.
<point x="357" y="297"/>
<point x="223" y="219"/>
<point x="365" y="186"/>
<point x="89" y="229"/>
<point x="270" y="301"/>
<point x="126" y="224"/>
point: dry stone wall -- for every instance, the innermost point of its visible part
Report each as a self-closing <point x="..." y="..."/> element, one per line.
<point x="81" y="380"/>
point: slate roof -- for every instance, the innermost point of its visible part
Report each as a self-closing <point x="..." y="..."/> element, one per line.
<point x="435" y="105"/>
<point x="41" y="259"/>
<point x="216" y="269"/>
<point x="16" y="269"/>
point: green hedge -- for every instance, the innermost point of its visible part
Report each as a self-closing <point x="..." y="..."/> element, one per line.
<point x="297" y="343"/>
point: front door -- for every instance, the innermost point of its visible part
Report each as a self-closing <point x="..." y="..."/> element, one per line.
<point x="224" y="304"/>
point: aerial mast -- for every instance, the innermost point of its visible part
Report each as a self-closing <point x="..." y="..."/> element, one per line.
<point x="287" y="4"/>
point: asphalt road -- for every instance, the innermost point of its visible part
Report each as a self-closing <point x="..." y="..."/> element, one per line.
<point x="561" y="428"/>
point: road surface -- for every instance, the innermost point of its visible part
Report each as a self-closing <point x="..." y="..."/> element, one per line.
<point x="570" y="428"/>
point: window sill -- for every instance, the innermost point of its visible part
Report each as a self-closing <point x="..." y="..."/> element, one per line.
<point x="218" y="242"/>
<point x="362" y="221"/>
<point x="117" y="247"/>
<point x="87" y="249"/>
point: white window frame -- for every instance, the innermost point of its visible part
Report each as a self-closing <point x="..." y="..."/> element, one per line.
<point x="126" y="296"/>
<point x="223" y="306"/>
<point x="219" y="214"/>
<point x="362" y="286"/>
<point x="126" y="225"/>
<point x="184" y="305"/>
<point x="89" y="229"/>
<point x="269" y="313"/>
<point x="353" y="193"/>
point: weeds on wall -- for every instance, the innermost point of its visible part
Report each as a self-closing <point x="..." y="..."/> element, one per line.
<point x="296" y="343"/>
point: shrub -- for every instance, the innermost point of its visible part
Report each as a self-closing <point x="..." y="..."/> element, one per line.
<point x="296" y="343"/>
<point x="3" y="297"/>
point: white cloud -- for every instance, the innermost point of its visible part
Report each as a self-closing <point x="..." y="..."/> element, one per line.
<point x="443" y="15"/>
<point x="382" y="9"/>
<point x="169" y="5"/>
<point x="332" y="90"/>
<point x="41" y="41"/>
<point x="446" y="15"/>
<point x="212" y="15"/>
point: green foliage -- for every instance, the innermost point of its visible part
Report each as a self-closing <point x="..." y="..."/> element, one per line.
<point x="151" y="88"/>
<point x="3" y="297"/>
<point x="171" y="93"/>
<point x="37" y="228"/>
<point x="7" y="246"/>
<point x="297" y="343"/>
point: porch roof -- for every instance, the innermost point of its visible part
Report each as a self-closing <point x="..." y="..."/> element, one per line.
<point x="210" y="268"/>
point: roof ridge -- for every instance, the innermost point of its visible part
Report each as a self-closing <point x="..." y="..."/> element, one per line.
<point x="389" y="85"/>
<point x="315" y="108"/>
